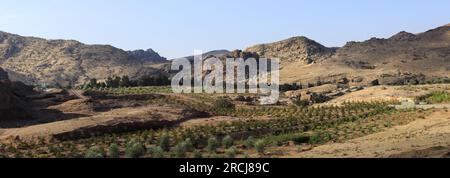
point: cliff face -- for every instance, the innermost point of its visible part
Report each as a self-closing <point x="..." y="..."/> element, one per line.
<point x="65" y="62"/>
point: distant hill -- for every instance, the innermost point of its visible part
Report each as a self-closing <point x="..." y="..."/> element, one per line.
<point x="148" y="55"/>
<point x="68" y="62"/>
<point x="296" y="49"/>
<point x="404" y="56"/>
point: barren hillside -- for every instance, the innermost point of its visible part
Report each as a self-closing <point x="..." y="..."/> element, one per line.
<point x="66" y="62"/>
<point x="403" y="56"/>
<point x="294" y="50"/>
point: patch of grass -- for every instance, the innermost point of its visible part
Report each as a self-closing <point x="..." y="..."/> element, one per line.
<point x="436" y="97"/>
<point x="295" y="137"/>
<point x="320" y="137"/>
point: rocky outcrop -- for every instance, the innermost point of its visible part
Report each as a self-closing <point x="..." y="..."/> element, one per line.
<point x="148" y="55"/>
<point x="297" y="49"/>
<point x="66" y="62"/>
<point x="12" y="106"/>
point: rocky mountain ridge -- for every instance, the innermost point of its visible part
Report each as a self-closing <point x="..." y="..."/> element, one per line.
<point x="424" y="56"/>
<point x="404" y="56"/>
<point x="39" y="61"/>
<point x="296" y="49"/>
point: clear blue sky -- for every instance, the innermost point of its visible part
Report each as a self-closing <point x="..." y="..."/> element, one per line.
<point x="176" y="28"/>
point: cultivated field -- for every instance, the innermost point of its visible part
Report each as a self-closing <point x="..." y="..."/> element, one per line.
<point x="152" y="122"/>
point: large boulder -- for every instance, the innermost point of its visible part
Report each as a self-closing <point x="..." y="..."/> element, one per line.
<point x="12" y="107"/>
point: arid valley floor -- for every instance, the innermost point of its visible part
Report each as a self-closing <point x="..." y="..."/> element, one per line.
<point x="153" y="122"/>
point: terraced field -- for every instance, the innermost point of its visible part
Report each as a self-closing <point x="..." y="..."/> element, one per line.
<point x="152" y="122"/>
<point x="246" y="132"/>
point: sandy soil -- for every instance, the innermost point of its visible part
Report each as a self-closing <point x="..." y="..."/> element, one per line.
<point x="388" y="93"/>
<point x="424" y="134"/>
<point x="49" y="129"/>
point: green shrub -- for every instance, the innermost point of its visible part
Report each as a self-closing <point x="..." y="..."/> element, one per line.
<point x="227" y="142"/>
<point x="180" y="150"/>
<point x="249" y="143"/>
<point x="156" y="152"/>
<point x="436" y="97"/>
<point x="189" y="145"/>
<point x="231" y="152"/>
<point x="316" y="138"/>
<point x="213" y="144"/>
<point x="134" y="149"/>
<point x="164" y="142"/>
<point x="114" y="151"/>
<point x="95" y="152"/>
<point x="260" y="146"/>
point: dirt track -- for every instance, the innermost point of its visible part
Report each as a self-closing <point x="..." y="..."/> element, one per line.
<point x="421" y="135"/>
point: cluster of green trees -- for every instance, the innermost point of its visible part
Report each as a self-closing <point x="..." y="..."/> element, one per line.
<point x="125" y="81"/>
